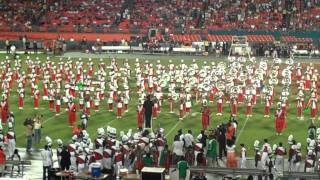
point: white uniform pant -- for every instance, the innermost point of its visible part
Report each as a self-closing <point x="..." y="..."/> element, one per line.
<point x="11" y="146"/>
<point x="279" y="164"/>
<point x="81" y="168"/>
<point x="243" y="163"/>
<point x="107" y="163"/>
<point x="73" y="165"/>
<point x="264" y="160"/>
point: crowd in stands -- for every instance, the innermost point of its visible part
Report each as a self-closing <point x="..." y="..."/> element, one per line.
<point x="169" y="16"/>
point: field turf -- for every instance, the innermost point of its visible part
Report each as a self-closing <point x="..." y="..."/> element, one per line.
<point x="255" y="127"/>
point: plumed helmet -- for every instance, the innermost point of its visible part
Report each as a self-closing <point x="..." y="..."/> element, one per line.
<point x="274" y="147"/>
<point x="74" y="137"/>
<point x="59" y="141"/>
<point x="49" y="140"/>
<point x="290" y="138"/>
<point x="129" y="133"/>
<point x="298" y="145"/>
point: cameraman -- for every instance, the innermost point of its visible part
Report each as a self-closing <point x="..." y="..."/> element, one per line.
<point x="37" y="129"/>
<point x="29" y="131"/>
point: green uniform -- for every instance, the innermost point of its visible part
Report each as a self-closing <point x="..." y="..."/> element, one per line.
<point x="182" y="166"/>
<point x="147" y="161"/>
<point x="212" y="149"/>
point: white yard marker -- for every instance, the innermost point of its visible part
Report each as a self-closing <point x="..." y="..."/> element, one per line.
<point x="173" y="128"/>
<point x="242" y="128"/>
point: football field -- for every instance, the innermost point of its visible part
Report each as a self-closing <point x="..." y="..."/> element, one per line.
<point x="249" y="129"/>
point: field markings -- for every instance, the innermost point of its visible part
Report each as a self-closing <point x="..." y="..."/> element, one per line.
<point x="245" y="123"/>
<point x="173" y="128"/>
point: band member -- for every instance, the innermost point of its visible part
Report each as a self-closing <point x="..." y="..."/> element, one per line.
<point x="36" y="98"/>
<point x="267" y="106"/>
<point x="155" y="110"/>
<point x="140" y="113"/>
<point x="249" y="106"/>
<point x="219" y="103"/>
<point x="21" y="99"/>
<point x="280" y="121"/>
<point x="58" y="105"/>
<point x="72" y="113"/>
<point x="110" y="104"/>
<point x="96" y="104"/>
<point x="234" y="106"/>
<point x="205" y="116"/>
<point x="313" y="106"/>
<point x="119" y="109"/>
<point x="299" y="106"/>
<point x="243" y="156"/>
<point x="81" y="160"/>
<point x="4" y="110"/>
<point x="181" y="110"/>
<point x="125" y="103"/>
<point x="170" y="100"/>
<point x="280" y="152"/>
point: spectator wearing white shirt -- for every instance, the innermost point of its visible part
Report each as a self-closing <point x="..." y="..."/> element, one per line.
<point x="188" y="139"/>
<point x="46" y="160"/>
<point x="177" y="150"/>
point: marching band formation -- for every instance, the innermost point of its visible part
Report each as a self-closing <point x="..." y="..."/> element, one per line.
<point x="84" y="86"/>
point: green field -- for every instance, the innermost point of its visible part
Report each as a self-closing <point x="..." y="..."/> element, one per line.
<point x="256" y="127"/>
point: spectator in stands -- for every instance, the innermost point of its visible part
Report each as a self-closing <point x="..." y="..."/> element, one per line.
<point x="46" y="160"/>
<point x="2" y="160"/>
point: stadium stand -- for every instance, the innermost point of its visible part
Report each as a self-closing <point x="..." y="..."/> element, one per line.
<point x="174" y="17"/>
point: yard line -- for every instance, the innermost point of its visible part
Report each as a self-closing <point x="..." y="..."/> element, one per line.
<point x="109" y="123"/>
<point x="242" y="128"/>
<point x="48" y="119"/>
<point x="173" y="128"/>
